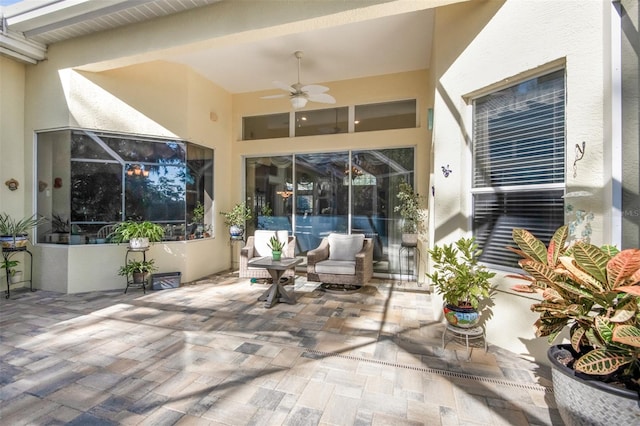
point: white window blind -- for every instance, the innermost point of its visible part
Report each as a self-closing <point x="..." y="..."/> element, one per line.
<point x="518" y="164"/>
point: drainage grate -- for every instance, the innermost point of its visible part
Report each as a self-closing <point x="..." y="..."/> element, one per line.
<point x="311" y="353"/>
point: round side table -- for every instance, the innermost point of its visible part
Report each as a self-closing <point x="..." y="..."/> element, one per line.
<point x="466" y="333"/>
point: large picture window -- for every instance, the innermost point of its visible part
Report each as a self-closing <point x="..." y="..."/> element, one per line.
<point x="90" y="180"/>
<point x="518" y="164"/>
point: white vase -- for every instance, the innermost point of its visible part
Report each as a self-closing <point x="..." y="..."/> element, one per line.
<point x="16" y="277"/>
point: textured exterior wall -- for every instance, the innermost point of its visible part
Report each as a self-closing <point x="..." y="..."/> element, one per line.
<point x="481" y="46"/>
<point x="630" y="22"/>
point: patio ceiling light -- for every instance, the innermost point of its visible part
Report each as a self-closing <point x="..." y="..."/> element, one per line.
<point x="298" y="102"/>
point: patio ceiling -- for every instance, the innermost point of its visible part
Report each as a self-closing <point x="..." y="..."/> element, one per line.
<point x="389" y="44"/>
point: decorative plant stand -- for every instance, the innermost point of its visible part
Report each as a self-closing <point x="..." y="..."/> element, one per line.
<point x="412" y="252"/>
<point x="130" y="281"/>
<point x="468" y="334"/>
<point x="7" y="252"/>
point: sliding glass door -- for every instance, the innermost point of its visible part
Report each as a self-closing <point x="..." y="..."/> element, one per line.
<point x="315" y="194"/>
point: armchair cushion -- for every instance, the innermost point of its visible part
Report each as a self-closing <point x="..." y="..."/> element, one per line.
<point x="340" y="267"/>
<point x="345" y="247"/>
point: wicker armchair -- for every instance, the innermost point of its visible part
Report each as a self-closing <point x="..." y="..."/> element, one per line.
<point x="333" y="263"/>
<point x="257" y="247"/>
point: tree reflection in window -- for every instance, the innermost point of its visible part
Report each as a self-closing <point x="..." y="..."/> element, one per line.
<point x="119" y="177"/>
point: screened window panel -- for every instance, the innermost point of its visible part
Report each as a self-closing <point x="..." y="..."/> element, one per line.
<point x="519" y="152"/>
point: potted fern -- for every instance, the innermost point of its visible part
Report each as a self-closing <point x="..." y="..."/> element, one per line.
<point x="594" y="292"/>
<point x="138" y="270"/>
<point x="461" y="281"/>
<point x="14" y="233"/>
<point x="15" y="276"/>
<point x="138" y="234"/>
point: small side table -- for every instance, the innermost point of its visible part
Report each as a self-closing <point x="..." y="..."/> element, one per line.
<point x="466" y="333"/>
<point x="276" y="293"/>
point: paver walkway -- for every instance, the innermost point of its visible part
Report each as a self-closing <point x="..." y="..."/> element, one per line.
<point x="209" y="353"/>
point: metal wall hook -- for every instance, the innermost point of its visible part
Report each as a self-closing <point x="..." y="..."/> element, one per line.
<point x="578" y="156"/>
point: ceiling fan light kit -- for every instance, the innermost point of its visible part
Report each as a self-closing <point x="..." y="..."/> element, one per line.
<point x="298" y="102"/>
<point x="300" y="94"/>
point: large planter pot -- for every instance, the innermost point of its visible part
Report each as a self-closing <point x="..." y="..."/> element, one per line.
<point x="585" y="401"/>
<point x="9" y="242"/>
<point x="461" y="317"/>
<point x="139" y="243"/>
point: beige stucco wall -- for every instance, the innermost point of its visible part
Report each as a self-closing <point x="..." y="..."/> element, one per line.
<point x="479" y="46"/>
<point x="630" y="67"/>
<point x="12" y="158"/>
<point x="12" y="150"/>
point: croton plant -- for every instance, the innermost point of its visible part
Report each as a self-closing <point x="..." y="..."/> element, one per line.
<point x="595" y="291"/>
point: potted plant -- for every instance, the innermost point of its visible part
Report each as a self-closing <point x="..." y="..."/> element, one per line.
<point x="198" y="228"/>
<point x="138" y="234"/>
<point x="276" y="247"/>
<point x="61" y="228"/>
<point x="14" y="233"/>
<point x="14" y="275"/>
<point x="235" y="220"/>
<point x="461" y="280"/>
<point x="594" y="292"/>
<point x="410" y="209"/>
<point x="139" y="270"/>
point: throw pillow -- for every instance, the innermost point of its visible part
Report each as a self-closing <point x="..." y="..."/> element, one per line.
<point x="345" y="247"/>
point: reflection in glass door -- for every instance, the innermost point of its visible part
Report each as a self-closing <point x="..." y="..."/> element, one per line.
<point x="332" y="192"/>
<point x="322" y="197"/>
<point x="269" y="192"/>
<point x="375" y="177"/>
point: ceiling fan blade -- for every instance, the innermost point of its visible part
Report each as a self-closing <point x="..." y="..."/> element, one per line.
<point x="322" y="98"/>
<point x="284" y="86"/>
<point x="274" y="96"/>
<point x="314" y="88"/>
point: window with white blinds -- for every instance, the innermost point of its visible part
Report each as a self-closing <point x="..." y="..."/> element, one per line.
<point x="518" y="164"/>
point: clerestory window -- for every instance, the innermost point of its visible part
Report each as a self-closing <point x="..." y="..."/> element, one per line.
<point x="518" y="164"/>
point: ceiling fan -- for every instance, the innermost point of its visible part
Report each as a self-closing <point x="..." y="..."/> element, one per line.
<point x="299" y="94"/>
